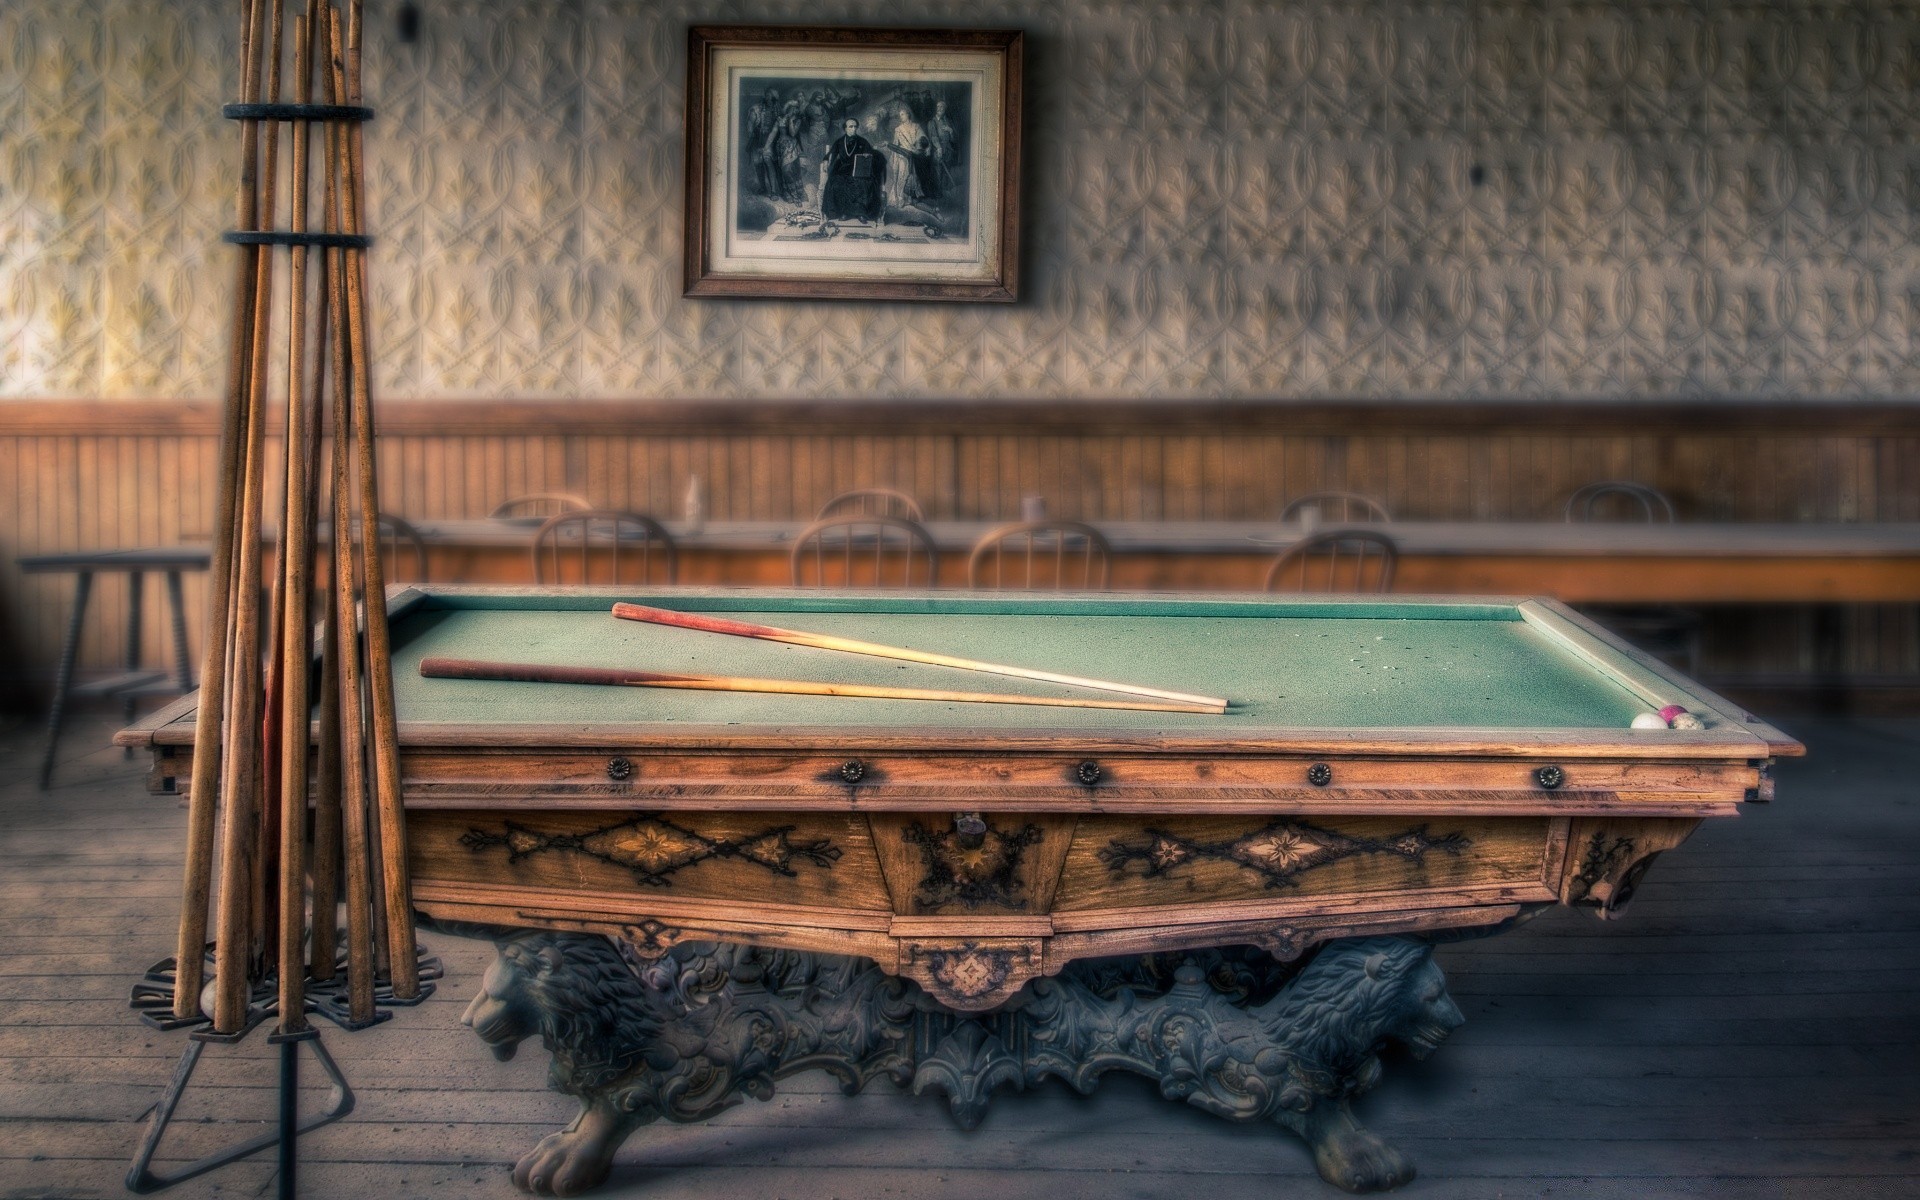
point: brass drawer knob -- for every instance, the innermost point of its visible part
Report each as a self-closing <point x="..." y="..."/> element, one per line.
<point x="1088" y="772"/>
<point x="1549" y="777"/>
<point x="1319" y="774"/>
<point x="970" y="830"/>
<point x="619" y="769"/>
<point x="853" y="770"/>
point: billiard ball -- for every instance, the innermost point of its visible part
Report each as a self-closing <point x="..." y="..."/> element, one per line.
<point x="1687" y="720"/>
<point x="1648" y="721"/>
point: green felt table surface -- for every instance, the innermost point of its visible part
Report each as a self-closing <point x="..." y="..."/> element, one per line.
<point x="1286" y="664"/>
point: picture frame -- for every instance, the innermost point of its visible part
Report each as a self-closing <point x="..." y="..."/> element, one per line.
<point x="853" y="163"/>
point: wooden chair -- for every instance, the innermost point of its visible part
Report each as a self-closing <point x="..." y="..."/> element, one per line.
<point x="1339" y="560"/>
<point x="872" y="502"/>
<point x="605" y="537"/>
<point x="400" y="543"/>
<point x="869" y="551"/>
<point x="1668" y="630"/>
<point x="1051" y="554"/>
<point x="1338" y="508"/>
<point x="1639" y="502"/>
<point x="540" y="505"/>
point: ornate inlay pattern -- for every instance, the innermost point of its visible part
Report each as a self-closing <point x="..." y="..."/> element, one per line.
<point x="648" y="940"/>
<point x="1279" y="851"/>
<point x="654" y="848"/>
<point x="969" y="970"/>
<point x="976" y="875"/>
<point x="1497" y="198"/>
<point x="1601" y="862"/>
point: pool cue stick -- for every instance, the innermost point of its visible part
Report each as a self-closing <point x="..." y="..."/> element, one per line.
<point x="353" y="794"/>
<point x="234" y="960"/>
<point x="340" y="44"/>
<point x="353" y="772"/>
<point x="463" y="668"/>
<point x="266" y="906"/>
<point x="296" y="577"/>
<point x="326" y="801"/>
<point x="823" y="641"/>
<point x="265" y="926"/>
<point x="202" y="791"/>
<point x="326" y="806"/>
<point x="353" y="810"/>
<point x="396" y="892"/>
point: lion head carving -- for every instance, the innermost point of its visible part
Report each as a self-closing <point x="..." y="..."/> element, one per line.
<point x="578" y="994"/>
<point x="1354" y="998"/>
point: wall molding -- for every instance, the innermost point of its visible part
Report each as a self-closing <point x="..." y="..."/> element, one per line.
<point x="1071" y="418"/>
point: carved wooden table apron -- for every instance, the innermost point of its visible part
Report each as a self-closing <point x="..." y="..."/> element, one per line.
<point x="695" y="894"/>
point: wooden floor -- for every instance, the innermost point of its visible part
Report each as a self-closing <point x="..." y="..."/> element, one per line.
<point x="1752" y="1029"/>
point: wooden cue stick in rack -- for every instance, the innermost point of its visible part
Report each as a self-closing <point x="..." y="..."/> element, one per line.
<point x="822" y="641"/>
<point x="353" y="775"/>
<point x="196" y="886"/>
<point x="396" y="890"/>
<point x="463" y="668"/>
<point x="239" y="790"/>
<point x="296" y="577"/>
<point x="265" y="747"/>
<point x="324" y="935"/>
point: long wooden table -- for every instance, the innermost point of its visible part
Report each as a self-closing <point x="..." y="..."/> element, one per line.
<point x="132" y="682"/>
<point x="1701" y="563"/>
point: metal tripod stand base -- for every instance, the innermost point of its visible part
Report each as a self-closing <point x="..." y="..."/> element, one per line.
<point x="152" y="998"/>
<point x="141" y="1177"/>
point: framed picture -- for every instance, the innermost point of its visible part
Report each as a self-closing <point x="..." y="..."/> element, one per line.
<point x="853" y="163"/>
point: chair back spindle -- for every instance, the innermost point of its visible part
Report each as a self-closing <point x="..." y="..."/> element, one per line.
<point x="537" y="504"/>
<point x="872" y="502"/>
<point x="1337" y="508"/>
<point x="1634" y="501"/>
<point x="865" y="551"/>
<point x="403" y="552"/>
<point x="583" y="545"/>
<point x="1339" y="560"/>
<point x="1054" y="555"/>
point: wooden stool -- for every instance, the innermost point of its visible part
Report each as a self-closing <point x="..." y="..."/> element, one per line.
<point x="133" y="682"/>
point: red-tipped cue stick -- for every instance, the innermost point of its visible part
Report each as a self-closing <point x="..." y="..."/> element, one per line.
<point x="466" y="668"/>
<point x="822" y="641"/>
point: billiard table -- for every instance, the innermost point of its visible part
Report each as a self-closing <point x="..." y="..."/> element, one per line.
<point x="695" y="893"/>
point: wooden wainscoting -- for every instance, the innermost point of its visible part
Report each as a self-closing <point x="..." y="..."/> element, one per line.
<point x="83" y="474"/>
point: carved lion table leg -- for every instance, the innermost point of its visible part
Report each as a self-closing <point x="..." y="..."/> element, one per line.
<point x="693" y="1030"/>
<point x="681" y="1036"/>
<point x="579" y="1156"/>
<point x="1297" y="1059"/>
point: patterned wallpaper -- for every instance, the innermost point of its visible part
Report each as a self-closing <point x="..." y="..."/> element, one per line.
<point x="1225" y="198"/>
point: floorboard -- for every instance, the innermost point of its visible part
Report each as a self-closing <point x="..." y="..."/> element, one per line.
<point x="1751" y="1030"/>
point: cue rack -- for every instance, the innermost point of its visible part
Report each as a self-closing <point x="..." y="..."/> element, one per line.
<point x="284" y="870"/>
